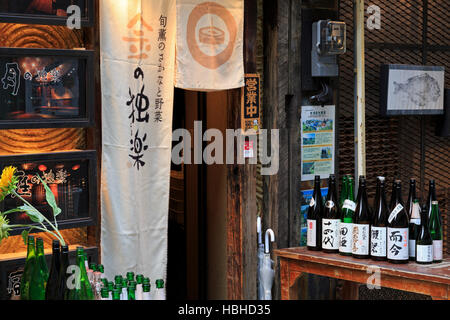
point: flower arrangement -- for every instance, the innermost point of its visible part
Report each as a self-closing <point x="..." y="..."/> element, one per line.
<point x="8" y="185"/>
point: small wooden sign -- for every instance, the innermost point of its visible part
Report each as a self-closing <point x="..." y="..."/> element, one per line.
<point x="251" y="105"/>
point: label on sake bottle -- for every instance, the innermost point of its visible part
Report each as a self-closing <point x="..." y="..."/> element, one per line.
<point x="424" y="253"/>
<point x="397" y="243"/>
<point x="330" y="234"/>
<point x="345" y="237"/>
<point x="394" y="212"/>
<point x="378" y="241"/>
<point x="437" y="249"/>
<point x="311" y="233"/>
<point x="349" y="204"/>
<point x="360" y="239"/>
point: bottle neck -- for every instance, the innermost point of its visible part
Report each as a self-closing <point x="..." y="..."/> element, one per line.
<point x="350" y="192"/>
<point x="31" y="249"/>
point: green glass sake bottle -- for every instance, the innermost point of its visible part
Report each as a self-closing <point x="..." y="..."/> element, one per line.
<point x="347" y="216"/>
<point x="52" y="288"/>
<point x="40" y="273"/>
<point x="146" y="291"/>
<point x="436" y="232"/>
<point x="30" y="263"/>
<point x="82" y="289"/>
<point x="139" y="283"/>
<point x="104" y="293"/>
<point x="344" y="191"/>
<point x="160" y="294"/>
<point x="132" y="290"/>
<point x="116" y="293"/>
<point x="130" y="276"/>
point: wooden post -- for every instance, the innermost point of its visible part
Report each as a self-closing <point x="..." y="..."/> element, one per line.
<point x="242" y="210"/>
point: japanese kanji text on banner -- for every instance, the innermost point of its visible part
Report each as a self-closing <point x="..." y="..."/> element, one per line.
<point x="137" y="70"/>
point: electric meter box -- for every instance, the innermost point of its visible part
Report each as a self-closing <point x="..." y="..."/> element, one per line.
<point x="328" y="41"/>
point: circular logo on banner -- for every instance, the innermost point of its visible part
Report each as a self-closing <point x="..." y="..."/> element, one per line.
<point x="211" y="34"/>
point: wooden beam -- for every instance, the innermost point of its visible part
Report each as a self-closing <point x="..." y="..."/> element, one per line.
<point x="242" y="210"/>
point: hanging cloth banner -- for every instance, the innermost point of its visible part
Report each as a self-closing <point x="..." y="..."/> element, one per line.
<point x="137" y="70"/>
<point x="210" y="47"/>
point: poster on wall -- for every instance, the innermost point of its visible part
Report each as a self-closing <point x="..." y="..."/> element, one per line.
<point x="306" y="196"/>
<point x="411" y="90"/>
<point x="317" y="141"/>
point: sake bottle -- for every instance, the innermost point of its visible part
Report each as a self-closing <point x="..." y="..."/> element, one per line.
<point x="347" y="216"/>
<point x="378" y="232"/>
<point x="124" y="289"/>
<point x="414" y="228"/>
<point x="343" y="194"/>
<point x="391" y="202"/>
<point x="431" y="197"/>
<point x="131" y="290"/>
<point x="116" y="293"/>
<point x="411" y="197"/>
<point x="436" y="232"/>
<point x="424" y="242"/>
<point x="361" y="224"/>
<point x="139" y="283"/>
<point x="314" y="218"/>
<point x="52" y="288"/>
<point x="146" y="291"/>
<point x="331" y="219"/>
<point x="104" y="293"/>
<point x="40" y="273"/>
<point x="63" y="291"/>
<point x="159" y="292"/>
<point x="398" y="230"/>
<point x="30" y="263"/>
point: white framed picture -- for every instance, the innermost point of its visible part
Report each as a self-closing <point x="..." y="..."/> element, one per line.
<point x="411" y="90"/>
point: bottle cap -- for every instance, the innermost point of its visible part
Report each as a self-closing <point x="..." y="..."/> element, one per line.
<point x="93" y="267"/>
<point x="118" y="279"/>
<point x="146" y="280"/>
<point x="65" y="248"/>
<point x="139" y="279"/>
<point x="101" y="268"/>
<point x="434" y="203"/>
<point x="104" y="292"/>
<point x="160" y="283"/>
<point x="130" y="276"/>
<point x="146" y="287"/>
<point x="55" y="244"/>
<point x="110" y="286"/>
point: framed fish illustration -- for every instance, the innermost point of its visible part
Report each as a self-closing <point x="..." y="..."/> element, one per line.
<point x="411" y="90"/>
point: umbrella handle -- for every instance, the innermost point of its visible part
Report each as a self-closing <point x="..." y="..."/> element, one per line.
<point x="272" y="239"/>
<point x="258" y="229"/>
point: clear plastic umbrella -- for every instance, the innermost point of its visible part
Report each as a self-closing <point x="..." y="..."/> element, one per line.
<point x="260" y="257"/>
<point x="267" y="273"/>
